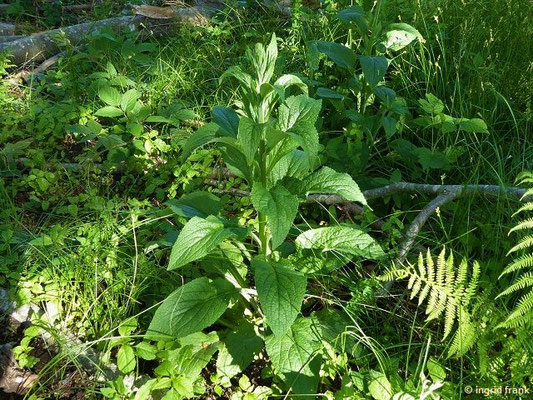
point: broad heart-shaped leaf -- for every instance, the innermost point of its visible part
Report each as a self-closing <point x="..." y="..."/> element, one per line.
<point x="342" y="239"/>
<point x="298" y="109"/>
<point x="400" y="35"/>
<point x="204" y="135"/>
<point x="197" y="238"/>
<point x="239" y="349"/>
<point x="294" y="356"/>
<point x="191" y="308"/>
<point x="196" y="204"/>
<point x="341" y="55"/>
<point x="248" y="137"/>
<point x="226" y="119"/>
<point x="354" y="14"/>
<point x="109" y="95"/>
<point x="280" y="208"/>
<point x="374" y="68"/>
<point x="327" y="180"/>
<point x="281" y="291"/>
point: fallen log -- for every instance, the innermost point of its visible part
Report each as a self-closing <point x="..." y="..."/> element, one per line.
<point x="41" y="46"/>
<point x="10" y="38"/>
<point x="7" y="29"/>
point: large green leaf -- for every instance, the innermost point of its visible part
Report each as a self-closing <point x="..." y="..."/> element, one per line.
<point x="281" y="292"/>
<point x="249" y="137"/>
<point x="109" y="95"/>
<point x="354" y="14"/>
<point x="400" y="35"/>
<point x="196" y="204"/>
<point x="191" y="308"/>
<point x="343" y="239"/>
<point x="298" y="109"/>
<point x="294" y="356"/>
<point x="280" y="208"/>
<point x="374" y="68"/>
<point x="239" y="349"/>
<point x="109" y="111"/>
<point x="204" y="135"/>
<point x="341" y="55"/>
<point x="379" y="386"/>
<point x="326" y="180"/>
<point x="197" y="238"/>
<point x="226" y="119"/>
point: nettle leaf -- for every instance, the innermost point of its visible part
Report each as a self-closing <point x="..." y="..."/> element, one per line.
<point x="297" y="110"/>
<point x="202" y="136"/>
<point x="109" y="95"/>
<point x="339" y="54"/>
<point x="281" y="291"/>
<point x="327" y="180"/>
<point x="248" y="137"/>
<point x="354" y="14"/>
<point x="196" y="204"/>
<point x="191" y="308"/>
<point x="342" y="239"/>
<point x="400" y="35"/>
<point x="197" y="239"/>
<point x="295" y="356"/>
<point x="374" y="68"/>
<point x="280" y="208"/>
<point x="227" y="119"/>
<point x="239" y="349"/>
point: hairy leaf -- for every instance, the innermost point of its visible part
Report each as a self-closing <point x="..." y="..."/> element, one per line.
<point x="280" y="208"/>
<point x="326" y="180"/>
<point x="197" y="238"/>
<point x="191" y="308"/>
<point x="342" y="239"/>
<point x="294" y="356"/>
<point x="281" y="292"/>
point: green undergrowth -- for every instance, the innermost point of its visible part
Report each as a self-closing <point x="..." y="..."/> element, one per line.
<point x="109" y="156"/>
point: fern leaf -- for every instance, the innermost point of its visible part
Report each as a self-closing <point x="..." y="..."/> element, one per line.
<point x="523" y="244"/>
<point x="521" y="283"/>
<point x="527" y="224"/>
<point x="523" y="262"/>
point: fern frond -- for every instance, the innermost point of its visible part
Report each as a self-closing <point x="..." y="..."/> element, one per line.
<point x="523" y="244"/>
<point x="522" y="313"/>
<point x="445" y="291"/>
<point x="525" y="207"/>
<point x="465" y="336"/>
<point x="523" y="262"/>
<point x="527" y="224"/>
<point x="521" y="283"/>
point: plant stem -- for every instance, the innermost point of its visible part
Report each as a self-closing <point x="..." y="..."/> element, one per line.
<point x="263" y="235"/>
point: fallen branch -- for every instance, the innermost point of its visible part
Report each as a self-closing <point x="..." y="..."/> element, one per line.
<point x="403" y="187"/>
<point x="420" y="220"/>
